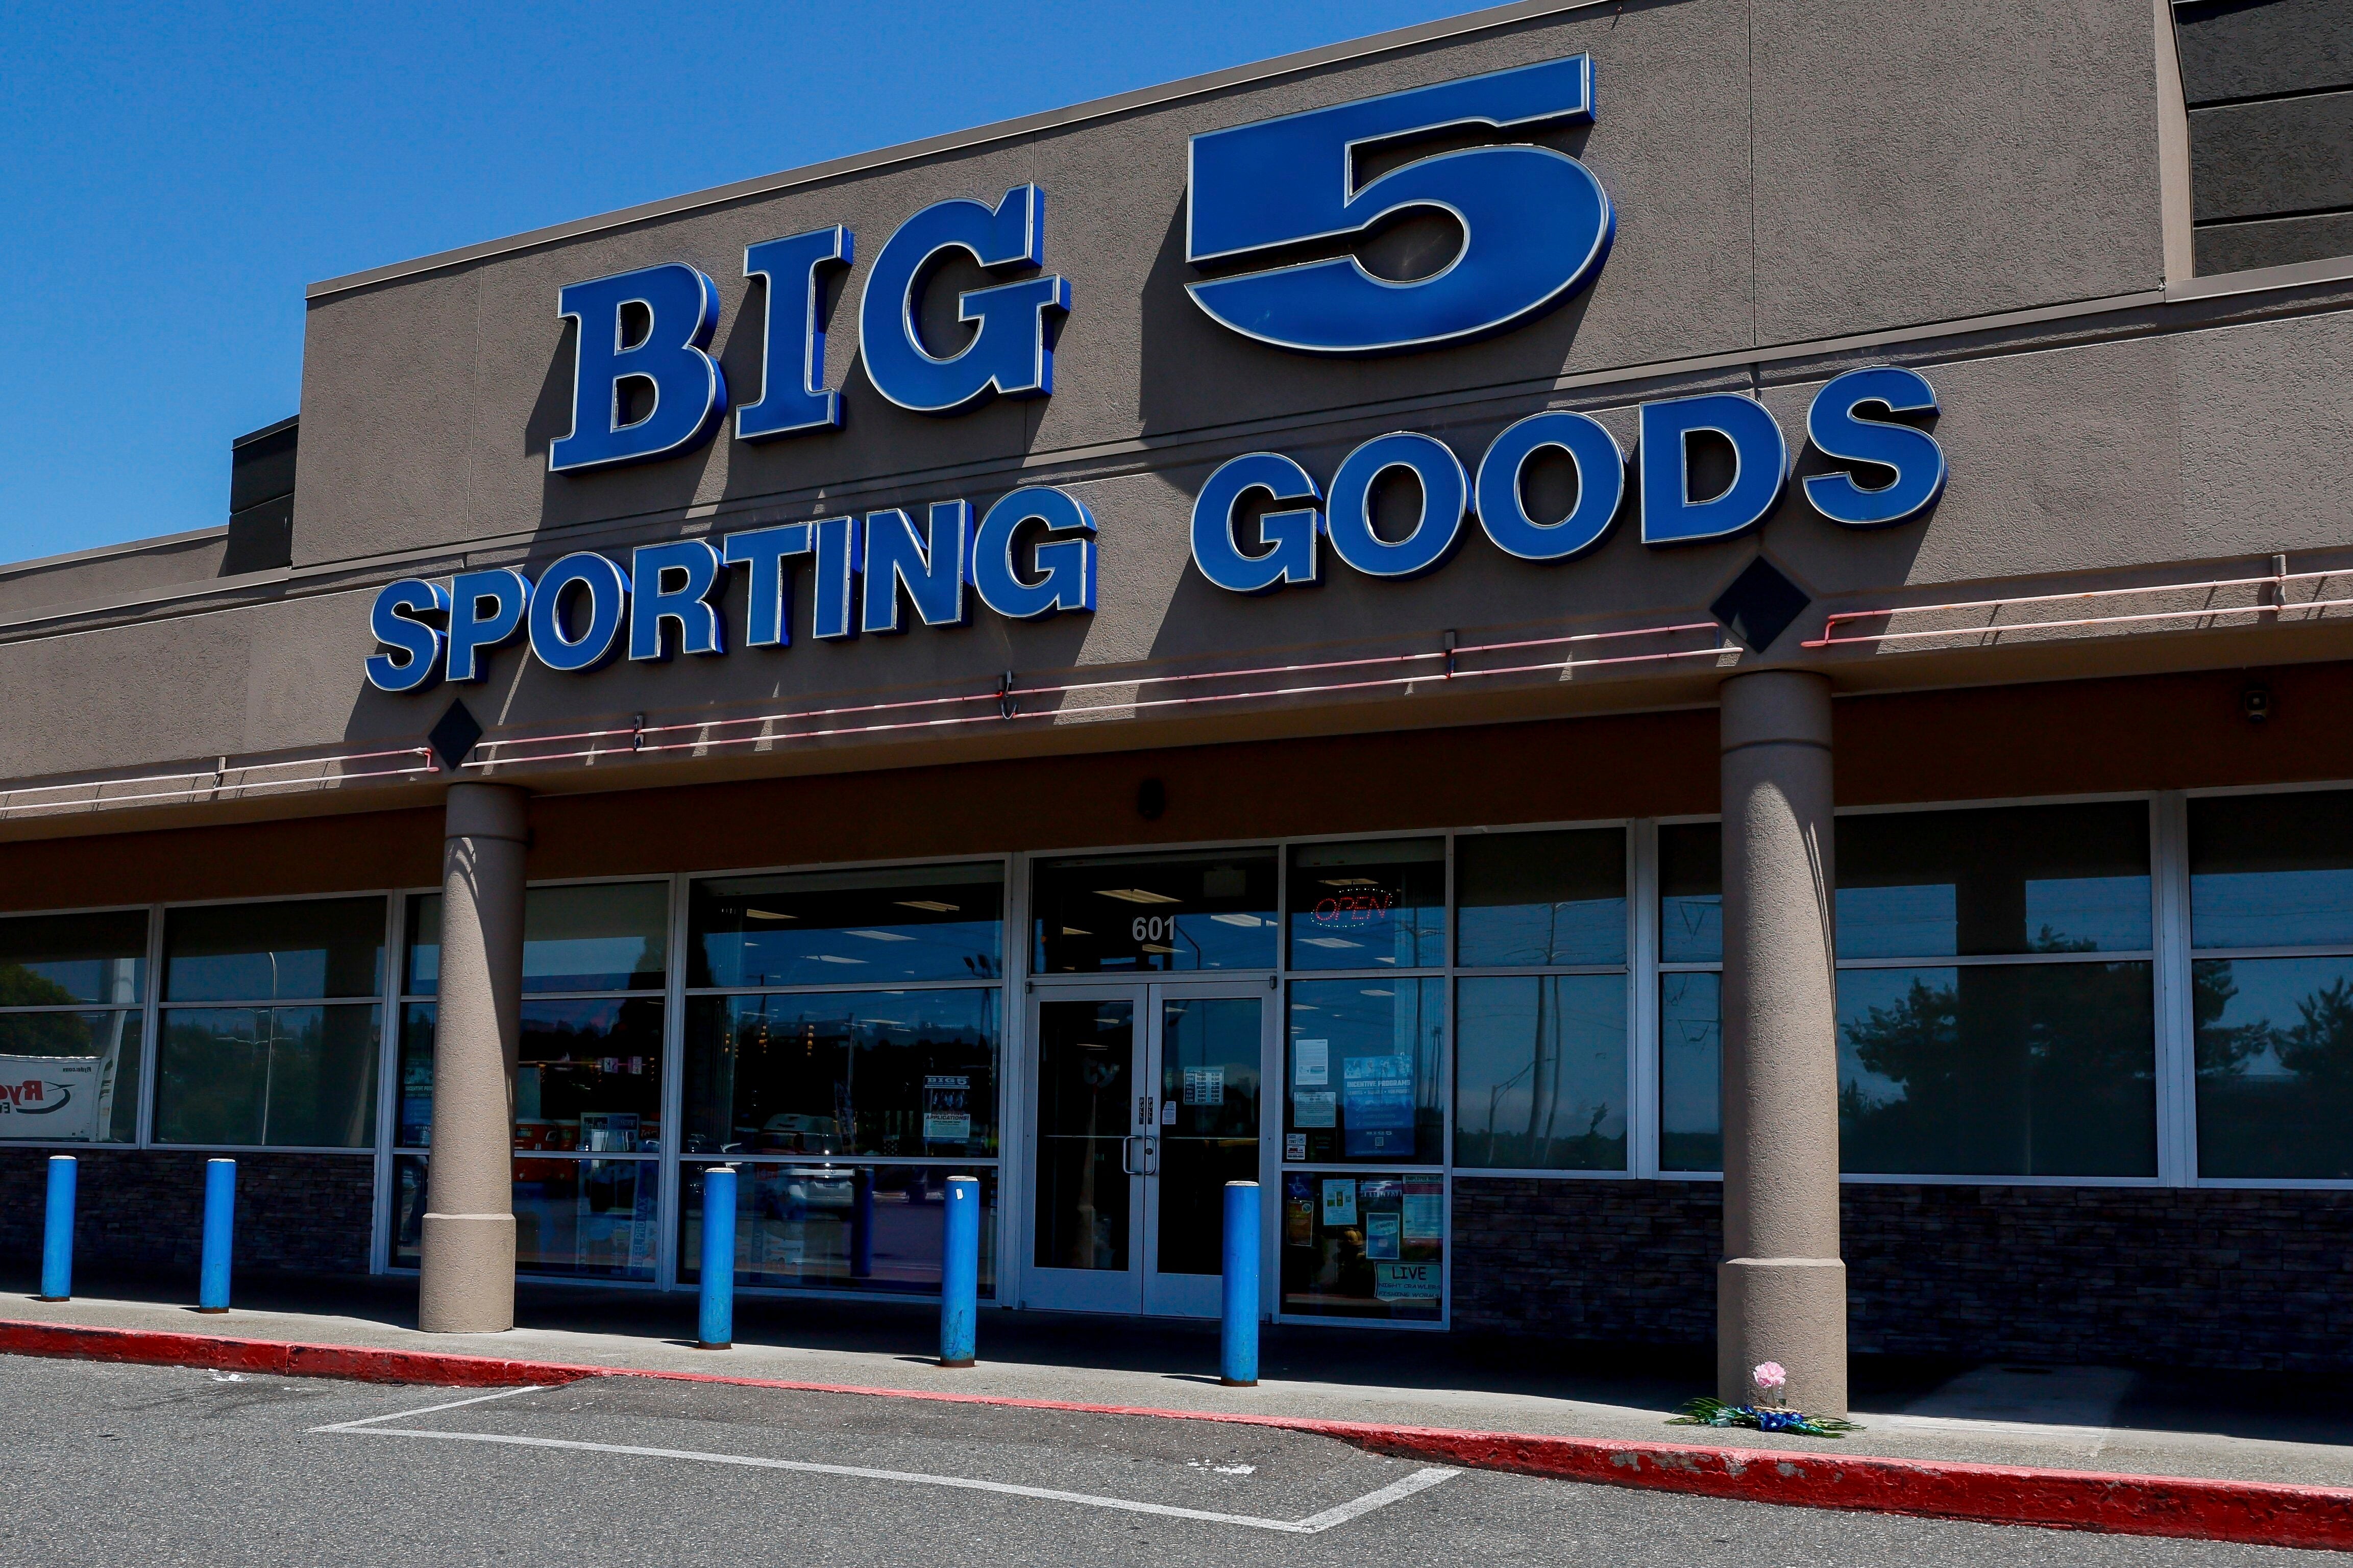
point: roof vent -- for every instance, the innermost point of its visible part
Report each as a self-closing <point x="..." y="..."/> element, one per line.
<point x="261" y="499"/>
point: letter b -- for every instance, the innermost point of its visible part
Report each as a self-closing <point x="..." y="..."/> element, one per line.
<point x="642" y="387"/>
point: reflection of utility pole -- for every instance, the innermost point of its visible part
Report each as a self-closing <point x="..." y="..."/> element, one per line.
<point x="270" y="1046"/>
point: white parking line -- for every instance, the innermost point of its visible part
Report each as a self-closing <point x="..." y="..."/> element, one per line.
<point x="1314" y="1524"/>
<point x="452" y="1405"/>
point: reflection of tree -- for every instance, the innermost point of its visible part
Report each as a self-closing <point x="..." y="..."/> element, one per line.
<point x="2221" y="1049"/>
<point x="2288" y="1122"/>
<point x="2043" y="1069"/>
<point x="21" y="987"/>
<point x="40" y="1033"/>
<point x="2319" y="1046"/>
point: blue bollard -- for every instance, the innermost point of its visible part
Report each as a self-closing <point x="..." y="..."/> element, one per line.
<point x="960" y="1272"/>
<point x="861" y="1228"/>
<point x="717" y="1331"/>
<point x="56" y="1231"/>
<point x="220" y="1234"/>
<point x="1238" y="1325"/>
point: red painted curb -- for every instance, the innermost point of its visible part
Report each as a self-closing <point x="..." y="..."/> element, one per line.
<point x="2254" y="1512"/>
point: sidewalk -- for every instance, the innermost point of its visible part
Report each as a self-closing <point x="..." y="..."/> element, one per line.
<point x="2219" y="1425"/>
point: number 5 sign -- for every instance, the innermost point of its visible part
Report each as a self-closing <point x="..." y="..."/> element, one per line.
<point x="1536" y="224"/>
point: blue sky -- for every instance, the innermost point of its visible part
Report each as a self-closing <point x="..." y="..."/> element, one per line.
<point x="175" y="174"/>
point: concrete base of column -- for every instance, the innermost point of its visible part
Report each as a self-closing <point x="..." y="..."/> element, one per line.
<point x="1786" y="1309"/>
<point x="467" y="1280"/>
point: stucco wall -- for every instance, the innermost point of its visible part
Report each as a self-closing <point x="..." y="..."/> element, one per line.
<point x="1786" y="176"/>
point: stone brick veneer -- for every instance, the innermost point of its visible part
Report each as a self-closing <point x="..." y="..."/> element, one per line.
<point x="2252" y="1279"/>
<point x="141" y="1210"/>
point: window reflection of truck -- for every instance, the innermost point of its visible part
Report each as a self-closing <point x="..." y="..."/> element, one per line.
<point x="791" y="1192"/>
<point x="790" y="1133"/>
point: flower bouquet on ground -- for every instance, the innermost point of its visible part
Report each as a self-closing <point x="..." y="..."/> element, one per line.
<point x="1772" y="1379"/>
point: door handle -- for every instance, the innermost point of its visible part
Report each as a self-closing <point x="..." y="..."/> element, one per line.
<point x="1127" y="1156"/>
<point x="1152" y="1156"/>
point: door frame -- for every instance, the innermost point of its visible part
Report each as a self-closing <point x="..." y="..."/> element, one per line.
<point x="1134" y="1295"/>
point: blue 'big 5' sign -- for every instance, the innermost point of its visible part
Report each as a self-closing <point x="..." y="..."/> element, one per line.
<point x="1262" y="200"/>
<point x="1536" y="226"/>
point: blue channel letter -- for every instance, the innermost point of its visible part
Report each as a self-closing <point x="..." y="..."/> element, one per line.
<point x="1012" y="354"/>
<point x="677" y="307"/>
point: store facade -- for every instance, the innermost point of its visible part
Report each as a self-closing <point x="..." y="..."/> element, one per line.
<point x="1681" y="682"/>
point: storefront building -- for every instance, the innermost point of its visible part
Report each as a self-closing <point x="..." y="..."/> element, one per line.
<point x="1680" y="668"/>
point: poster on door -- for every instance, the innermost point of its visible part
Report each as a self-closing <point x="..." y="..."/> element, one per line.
<point x="1377" y="1105"/>
<point x="948" y="1110"/>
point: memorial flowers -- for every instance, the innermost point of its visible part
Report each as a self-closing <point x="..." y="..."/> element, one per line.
<point x="1772" y="1380"/>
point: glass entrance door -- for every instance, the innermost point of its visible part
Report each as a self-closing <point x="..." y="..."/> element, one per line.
<point x="1148" y="1103"/>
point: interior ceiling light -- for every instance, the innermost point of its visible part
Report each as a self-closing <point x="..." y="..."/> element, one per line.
<point x="1329" y="941"/>
<point x="934" y="905"/>
<point x="1350" y="881"/>
<point x="880" y="935"/>
<point x="1073" y="931"/>
<point x="1239" y="920"/>
<point x="765" y="915"/>
<point x="1136" y="896"/>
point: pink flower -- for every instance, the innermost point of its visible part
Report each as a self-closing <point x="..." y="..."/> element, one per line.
<point x="1769" y="1375"/>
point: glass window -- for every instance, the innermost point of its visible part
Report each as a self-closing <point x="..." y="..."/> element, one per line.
<point x="52" y="960"/>
<point x="413" y="1124"/>
<point x="582" y="1219"/>
<point x="1540" y="1072"/>
<point x="1356" y="1245"/>
<point x="848" y="928"/>
<point x="606" y="936"/>
<point x="588" y="1075"/>
<point x="1367" y="904"/>
<point x="909" y="1073"/>
<point x="1691" y="893"/>
<point x="838" y="1226"/>
<point x="274" y="952"/>
<point x="1366" y="1064"/>
<point x="1132" y="914"/>
<point x="71" y="1070"/>
<point x="2271" y="870"/>
<point x="2044" y="1069"/>
<point x="1540" y="897"/>
<point x="70" y="1077"/>
<point x="2275" y="1066"/>
<point x="1691" y="1071"/>
<point x="268" y="1077"/>
<point x="598" y="1219"/>
<point x="2035" y="878"/>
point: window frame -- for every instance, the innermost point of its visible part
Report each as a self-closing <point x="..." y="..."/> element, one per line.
<point x="157" y="1007"/>
<point x="2177" y="999"/>
<point x="1013" y="968"/>
<point x="1631" y="830"/>
<point x="146" y="1010"/>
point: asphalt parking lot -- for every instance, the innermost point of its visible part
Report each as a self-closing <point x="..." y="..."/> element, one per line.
<point x="156" y="1464"/>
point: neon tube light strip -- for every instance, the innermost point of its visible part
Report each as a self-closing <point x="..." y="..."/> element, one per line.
<point x="704" y="740"/>
<point x="1829" y="637"/>
<point x="218" y="783"/>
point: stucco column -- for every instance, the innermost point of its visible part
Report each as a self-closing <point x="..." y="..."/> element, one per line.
<point x="1782" y="1287"/>
<point x="469" y="1265"/>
